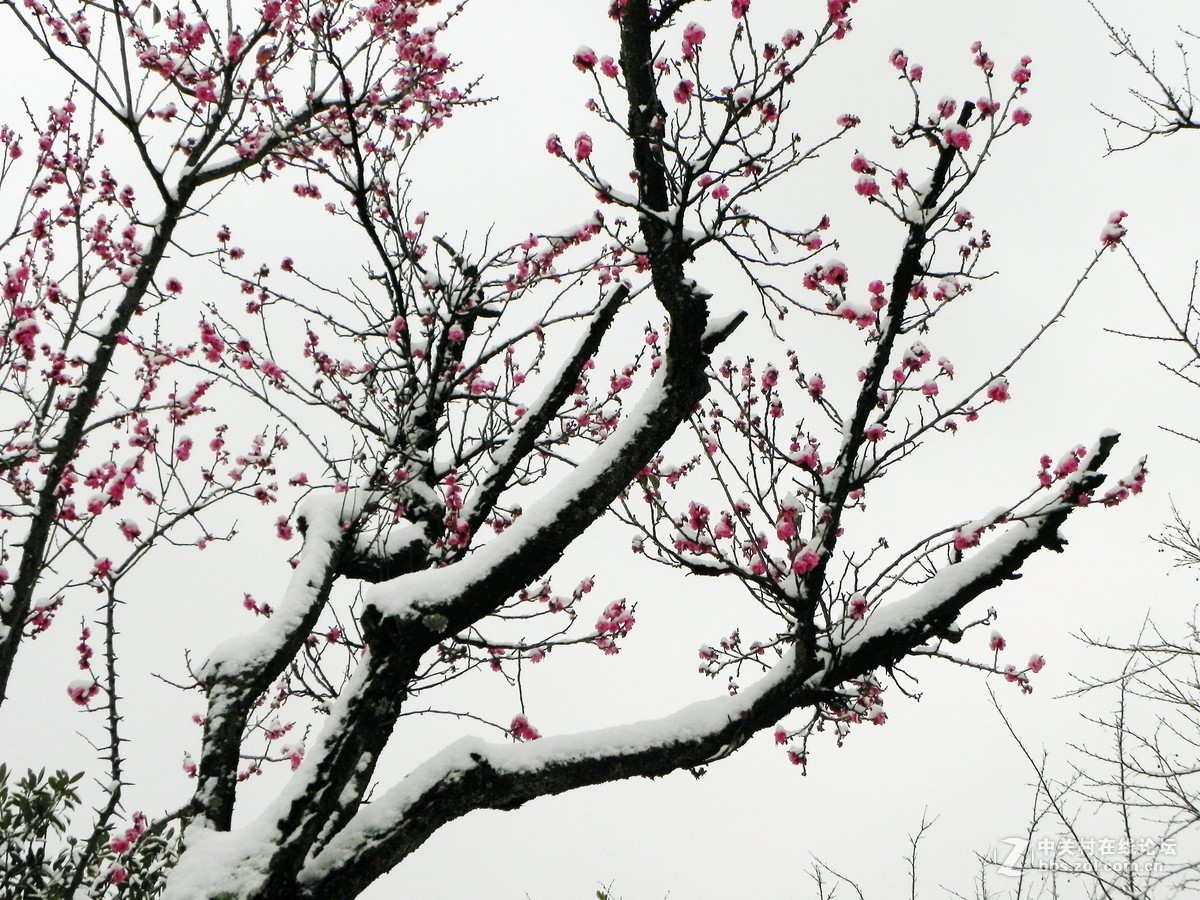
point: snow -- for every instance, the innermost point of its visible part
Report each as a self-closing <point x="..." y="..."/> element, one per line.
<point x="911" y="209"/>
<point x="324" y="512"/>
<point x="420" y="593"/>
<point x="719" y="324"/>
<point x="215" y="864"/>
<point x="983" y="522"/>
<point x="898" y="615"/>
<point x="240" y="857"/>
<point x="688" y="723"/>
<point x="389" y="538"/>
<point x="501" y="455"/>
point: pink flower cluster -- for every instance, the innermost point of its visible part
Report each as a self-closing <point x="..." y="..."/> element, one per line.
<point x="82" y="690"/>
<point x="1021" y="73"/>
<point x="964" y="539"/>
<point x="1064" y="467"/>
<point x="957" y="136"/>
<point x="805" y="562"/>
<point x="522" y="730"/>
<point x="982" y="59"/>
<point x="616" y="621"/>
<point x="1131" y="484"/>
<point x="866" y="706"/>
<point x="1113" y="231"/>
<point x="839" y="16"/>
<point x="866" y="186"/>
<point x="693" y="37"/>
<point x="84" y="649"/>
<point x="259" y="609"/>
<point x="123" y="843"/>
<point x="585" y="59"/>
<point x="834" y="273"/>
<point x="1020" y="677"/>
<point x="458" y="529"/>
<point x="900" y="62"/>
<point x="998" y="390"/>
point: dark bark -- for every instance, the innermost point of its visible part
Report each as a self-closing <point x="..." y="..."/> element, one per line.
<point x="398" y="641"/>
<point x="473" y="782"/>
<point x="232" y="692"/>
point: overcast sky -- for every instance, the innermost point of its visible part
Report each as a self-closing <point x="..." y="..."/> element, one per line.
<point x="753" y="824"/>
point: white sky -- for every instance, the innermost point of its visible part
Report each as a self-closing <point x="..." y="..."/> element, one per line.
<point x="751" y="826"/>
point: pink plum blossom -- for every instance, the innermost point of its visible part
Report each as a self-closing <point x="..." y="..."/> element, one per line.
<point x="987" y="108"/>
<point x="82" y="690"/>
<point x="1113" y="230"/>
<point x="998" y="390"/>
<point x="1021" y="73"/>
<point x="583" y="147"/>
<point x="957" y="136"/>
<point x="585" y="59"/>
<point x="522" y="730"/>
<point x="866" y="186"/>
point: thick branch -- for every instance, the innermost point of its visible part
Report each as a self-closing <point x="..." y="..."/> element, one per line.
<point x="540" y="415"/>
<point x="238" y="671"/>
<point x="894" y="630"/>
<point x="406" y="617"/>
<point x="472" y="774"/>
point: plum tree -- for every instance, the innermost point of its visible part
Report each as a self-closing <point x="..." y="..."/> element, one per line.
<point x="449" y="404"/>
